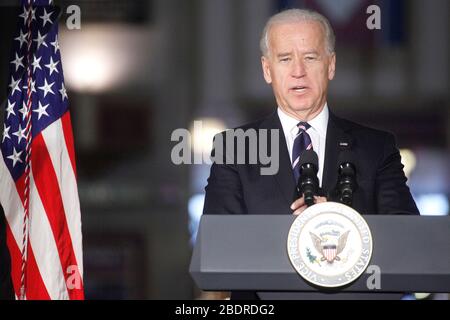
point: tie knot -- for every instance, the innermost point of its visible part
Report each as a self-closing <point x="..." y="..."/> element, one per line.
<point x="303" y="126"/>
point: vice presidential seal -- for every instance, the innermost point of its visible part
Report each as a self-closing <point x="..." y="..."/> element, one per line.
<point x="330" y="244"/>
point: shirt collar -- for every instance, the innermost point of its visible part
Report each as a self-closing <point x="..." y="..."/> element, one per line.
<point x="288" y="123"/>
<point x="319" y="123"/>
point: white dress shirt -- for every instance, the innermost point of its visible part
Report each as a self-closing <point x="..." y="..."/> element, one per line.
<point x="317" y="132"/>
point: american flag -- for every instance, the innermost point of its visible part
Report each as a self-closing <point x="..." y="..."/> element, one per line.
<point x="38" y="189"/>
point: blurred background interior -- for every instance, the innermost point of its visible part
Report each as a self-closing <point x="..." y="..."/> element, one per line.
<point x="137" y="70"/>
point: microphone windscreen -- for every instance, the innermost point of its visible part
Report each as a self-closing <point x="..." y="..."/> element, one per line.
<point x="309" y="156"/>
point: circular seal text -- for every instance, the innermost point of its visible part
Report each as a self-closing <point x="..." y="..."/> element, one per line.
<point x="330" y="244"/>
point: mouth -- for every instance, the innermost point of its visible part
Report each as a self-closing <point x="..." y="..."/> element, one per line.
<point x="299" y="89"/>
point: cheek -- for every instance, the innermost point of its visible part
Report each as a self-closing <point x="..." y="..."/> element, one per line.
<point x="279" y="81"/>
<point x="320" y="78"/>
<point x="283" y="84"/>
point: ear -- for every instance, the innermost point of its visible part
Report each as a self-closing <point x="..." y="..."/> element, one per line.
<point x="332" y="67"/>
<point x="266" y="69"/>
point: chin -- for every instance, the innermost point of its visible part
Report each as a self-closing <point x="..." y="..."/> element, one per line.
<point x="301" y="107"/>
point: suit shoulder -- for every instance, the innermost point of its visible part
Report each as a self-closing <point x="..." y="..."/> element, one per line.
<point x="366" y="132"/>
<point x="257" y="124"/>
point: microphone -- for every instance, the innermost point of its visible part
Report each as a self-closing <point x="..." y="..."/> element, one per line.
<point x="308" y="183"/>
<point x="346" y="185"/>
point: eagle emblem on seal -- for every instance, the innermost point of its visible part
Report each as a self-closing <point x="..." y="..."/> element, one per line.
<point x="329" y="248"/>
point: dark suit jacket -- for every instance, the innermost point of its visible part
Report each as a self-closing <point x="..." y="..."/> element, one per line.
<point x="6" y="287"/>
<point x="382" y="189"/>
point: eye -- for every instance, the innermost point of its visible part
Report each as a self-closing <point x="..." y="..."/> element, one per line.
<point x="287" y="59"/>
<point x="310" y="58"/>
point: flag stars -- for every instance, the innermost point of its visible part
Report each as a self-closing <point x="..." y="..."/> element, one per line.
<point x="14" y="85"/>
<point x="22" y="38"/>
<point x="10" y="109"/>
<point x="40" y="40"/>
<point x="18" y="62"/>
<point x="55" y="44"/>
<point x="15" y="157"/>
<point x="36" y="63"/>
<point x="20" y="134"/>
<point x="6" y="133"/>
<point x="42" y="110"/>
<point x="47" y="87"/>
<point x="26" y="14"/>
<point x="24" y="110"/>
<point x="33" y="86"/>
<point x="46" y="17"/>
<point x="63" y="92"/>
<point x="52" y="66"/>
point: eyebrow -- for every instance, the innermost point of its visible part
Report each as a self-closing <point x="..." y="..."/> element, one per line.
<point x="284" y="54"/>
<point x="312" y="52"/>
<point x="287" y="54"/>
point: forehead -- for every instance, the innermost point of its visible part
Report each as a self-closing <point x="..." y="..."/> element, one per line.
<point x="304" y="35"/>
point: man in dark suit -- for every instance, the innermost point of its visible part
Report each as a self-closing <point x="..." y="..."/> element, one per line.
<point x="6" y="287"/>
<point x="298" y="61"/>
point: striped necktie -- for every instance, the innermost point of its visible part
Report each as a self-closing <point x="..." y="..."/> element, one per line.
<point x="302" y="142"/>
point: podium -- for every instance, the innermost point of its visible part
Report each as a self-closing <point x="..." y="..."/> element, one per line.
<point x="249" y="253"/>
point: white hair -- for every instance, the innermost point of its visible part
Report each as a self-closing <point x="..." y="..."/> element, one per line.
<point x="298" y="15"/>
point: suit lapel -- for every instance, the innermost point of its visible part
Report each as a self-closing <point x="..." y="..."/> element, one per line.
<point x="285" y="176"/>
<point x="336" y="131"/>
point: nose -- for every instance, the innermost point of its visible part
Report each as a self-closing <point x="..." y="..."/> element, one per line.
<point x="298" y="69"/>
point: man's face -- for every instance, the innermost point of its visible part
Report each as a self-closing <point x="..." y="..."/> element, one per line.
<point x="299" y="67"/>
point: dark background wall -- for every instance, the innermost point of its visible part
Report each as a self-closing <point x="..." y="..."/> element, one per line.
<point x="137" y="70"/>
